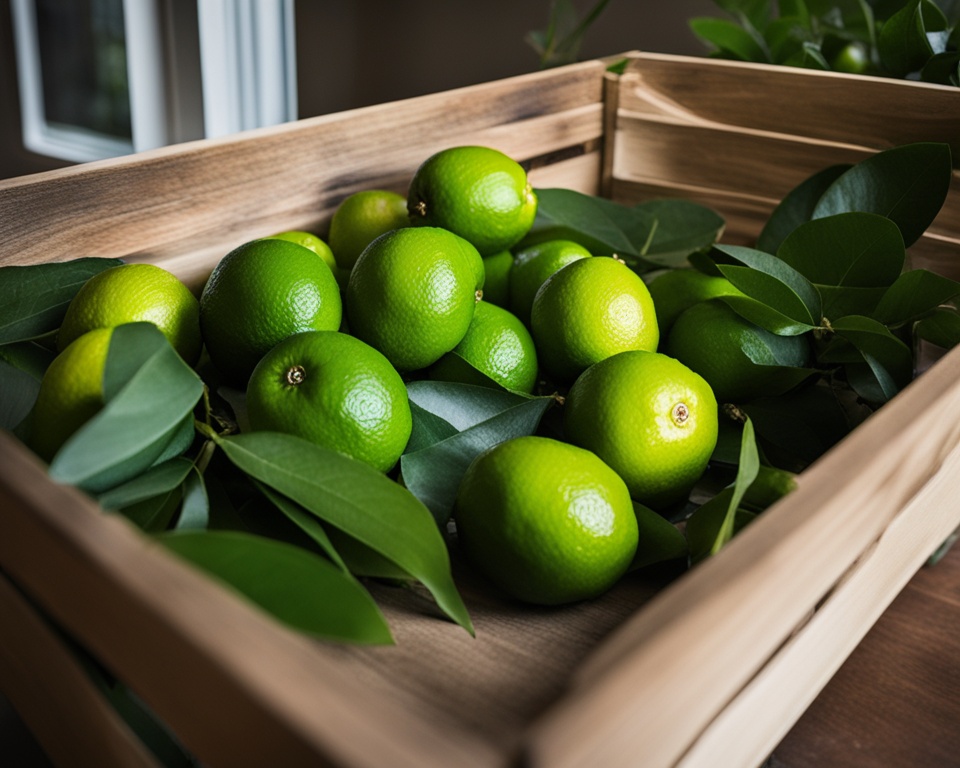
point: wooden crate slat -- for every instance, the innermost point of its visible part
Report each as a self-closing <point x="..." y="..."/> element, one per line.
<point x="237" y="688"/>
<point x="869" y="111"/>
<point x="53" y="694"/>
<point x="232" y="189"/>
<point x="755" y="593"/>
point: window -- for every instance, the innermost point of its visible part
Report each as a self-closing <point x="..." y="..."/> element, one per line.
<point x="100" y="78"/>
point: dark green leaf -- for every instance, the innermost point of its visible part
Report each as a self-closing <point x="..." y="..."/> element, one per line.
<point x="942" y="328"/>
<point x="428" y="428"/>
<point x="658" y="541"/>
<point x="907" y="184"/>
<point x="460" y="405"/>
<point x="747" y="469"/>
<point x="871" y="381"/>
<point x="704" y="527"/>
<point x="808" y="57"/>
<point x="157" y="480"/>
<point x="363" y="561"/>
<point x="729" y="38"/>
<point x="654" y="233"/>
<point x="19" y="390"/>
<point x="851" y="258"/>
<point x="903" y="43"/>
<point x="295" y="586"/>
<point x="358" y="500"/>
<point x="154" y="515"/>
<point x="915" y="293"/>
<point x="943" y="68"/>
<point x="134" y="428"/>
<point x="785" y="37"/>
<point x="876" y="341"/>
<point x="433" y="474"/>
<point x="753" y="12"/>
<point x="797" y="207"/>
<point x="773" y="283"/>
<point x="33" y="300"/>
<point x="304" y="521"/>
<point x="195" y="509"/>
<point x="800" y="425"/>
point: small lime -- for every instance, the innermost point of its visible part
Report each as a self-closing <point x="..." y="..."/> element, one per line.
<point x="361" y="218"/>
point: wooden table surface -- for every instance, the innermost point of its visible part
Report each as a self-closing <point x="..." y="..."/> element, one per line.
<point x="895" y="703"/>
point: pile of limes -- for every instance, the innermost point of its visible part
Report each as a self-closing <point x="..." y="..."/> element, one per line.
<point x="323" y="336"/>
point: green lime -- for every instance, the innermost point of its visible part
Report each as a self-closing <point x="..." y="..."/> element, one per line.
<point x="650" y="418"/>
<point x="546" y="521"/>
<point x="259" y="294"/>
<point x="412" y="294"/>
<point x="740" y="360"/>
<point x="71" y="392"/>
<point x="311" y="241"/>
<point x="531" y="268"/>
<point x="135" y="293"/>
<point x="498" y="345"/>
<point x="336" y="391"/>
<point x="479" y="193"/>
<point x="496" y="283"/>
<point x="361" y="218"/>
<point x="679" y="289"/>
<point x="589" y="310"/>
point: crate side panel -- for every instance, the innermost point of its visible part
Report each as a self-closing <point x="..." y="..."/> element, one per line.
<point x="162" y="627"/>
<point x="819" y="105"/>
<point x="226" y="191"/>
<point x="762" y="586"/>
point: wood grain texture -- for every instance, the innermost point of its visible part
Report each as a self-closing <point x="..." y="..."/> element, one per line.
<point x="896" y="699"/>
<point x="194" y="202"/>
<point x="53" y="694"/>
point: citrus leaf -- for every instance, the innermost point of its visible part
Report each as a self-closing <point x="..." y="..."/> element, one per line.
<point x="704" y="527"/>
<point x="433" y="474"/>
<point x="907" y="184"/>
<point x="134" y="427"/>
<point x="943" y="68"/>
<point x="654" y="233"/>
<point x="773" y="283"/>
<point x="903" y="43"/>
<point x="808" y="57"/>
<point x="659" y="540"/>
<point x="34" y="299"/>
<point x="304" y="521"/>
<point x="195" y="509"/>
<point x="871" y="381"/>
<point x="358" y="500"/>
<point x="915" y="293"/>
<point x="153" y="515"/>
<point x="766" y="317"/>
<point x="20" y="391"/>
<point x="297" y="587"/>
<point x="797" y="207"/>
<point x="157" y="480"/>
<point x="363" y="561"/>
<point x="942" y="328"/>
<point x="460" y="405"/>
<point x="747" y="470"/>
<point x="428" y="428"/>
<point x="729" y="38"/>
<point x="879" y="348"/>
<point x="131" y="345"/>
<point x="800" y="425"/>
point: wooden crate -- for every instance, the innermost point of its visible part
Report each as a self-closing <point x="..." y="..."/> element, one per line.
<point x="712" y="670"/>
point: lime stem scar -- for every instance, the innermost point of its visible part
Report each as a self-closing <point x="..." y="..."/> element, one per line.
<point x="680" y="413"/>
<point x="295" y="375"/>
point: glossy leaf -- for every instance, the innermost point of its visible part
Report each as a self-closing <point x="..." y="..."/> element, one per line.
<point x="903" y="43"/>
<point x="135" y="426"/>
<point x="943" y="68"/>
<point x="659" y="540"/>
<point x="157" y="480"/>
<point x="773" y="283"/>
<point x="154" y="515"/>
<point x="915" y="293"/>
<point x="876" y="341"/>
<point x="34" y="299"/>
<point x="941" y="327"/>
<point x="461" y="406"/>
<point x="195" y="509"/>
<point x="705" y="527"/>
<point x="797" y="207"/>
<point x="808" y="57"/>
<point x="305" y="521"/>
<point x="907" y="184"/>
<point x="428" y="428"/>
<point x="433" y="474"/>
<point x="654" y="233"/>
<point x="297" y="587"/>
<point x="747" y="469"/>
<point x="730" y="38"/>
<point x="357" y="499"/>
